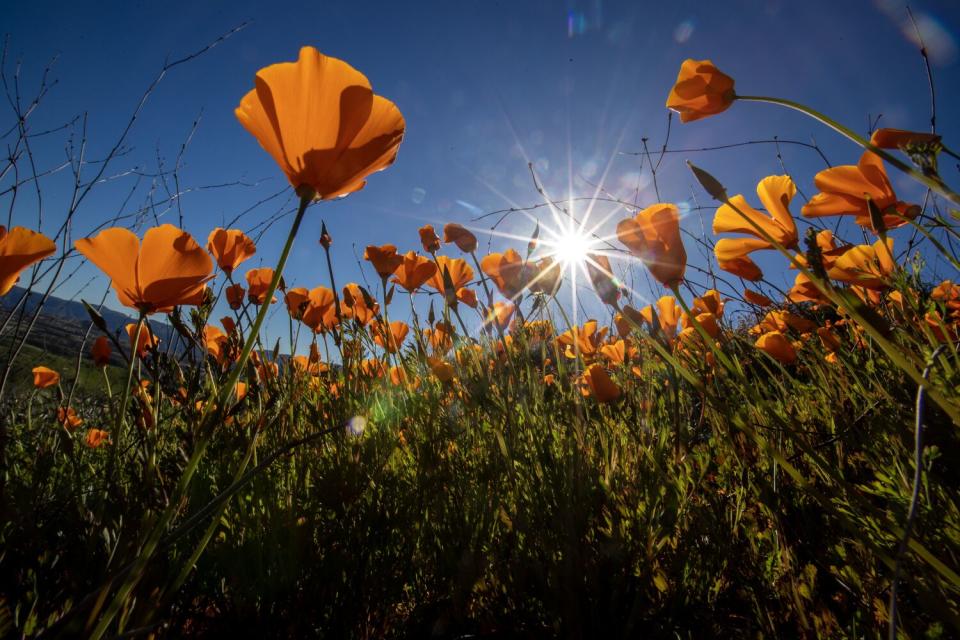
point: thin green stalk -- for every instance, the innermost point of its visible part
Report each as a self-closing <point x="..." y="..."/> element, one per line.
<point x="933" y="183"/>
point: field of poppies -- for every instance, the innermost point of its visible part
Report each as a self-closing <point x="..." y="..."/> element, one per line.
<point x="448" y="454"/>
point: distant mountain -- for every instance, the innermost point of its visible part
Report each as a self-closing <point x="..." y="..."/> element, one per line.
<point x="62" y="323"/>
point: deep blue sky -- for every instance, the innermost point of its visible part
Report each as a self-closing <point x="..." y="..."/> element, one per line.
<point x="483" y="85"/>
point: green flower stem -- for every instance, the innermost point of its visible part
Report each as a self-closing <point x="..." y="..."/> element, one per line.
<point x="150" y="546"/>
<point x="932" y="183"/>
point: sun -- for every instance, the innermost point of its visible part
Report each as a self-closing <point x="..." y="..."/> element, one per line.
<point x="571" y="247"/>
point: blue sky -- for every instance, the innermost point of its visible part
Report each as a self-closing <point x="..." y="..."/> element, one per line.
<point x="484" y="87"/>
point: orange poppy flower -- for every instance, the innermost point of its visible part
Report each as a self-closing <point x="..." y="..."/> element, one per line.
<point x="599" y="384"/>
<point x="384" y="258"/>
<point x="44" y="377"/>
<point x="900" y="139"/>
<point x="147" y="340"/>
<point x="783" y="321"/>
<point x="709" y="302"/>
<point x="216" y="343"/>
<point x="776" y="345"/>
<point x="320" y="313"/>
<point x="241" y="390"/>
<point x="867" y="266"/>
<point x="701" y="90"/>
<point x="775" y="193"/>
<point x="845" y="189"/>
<point x="442" y="369"/>
<point x="460" y="272"/>
<point x="168" y="269"/>
<point x="508" y="271"/>
<point x="96" y="438"/>
<point x="803" y="290"/>
<point x="322" y="124"/>
<point x="355" y="305"/>
<point x="414" y="271"/>
<point x="101" y="351"/>
<point x="19" y="249"/>
<point x="296" y="300"/>
<point x="627" y="320"/>
<point x="467" y="297"/>
<point x="68" y="418"/>
<point x="440" y="337"/>
<point x="618" y="352"/>
<point x="391" y="341"/>
<point x="584" y="341"/>
<point x="230" y="247"/>
<point x="828" y="339"/>
<point x="548" y="277"/>
<point x="460" y="236"/>
<point x="653" y="235"/>
<point x="258" y="283"/>
<point x="754" y="297"/>
<point x="667" y="315"/>
<point x="235" y="293"/>
<point x="500" y="315"/>
<point x="429" y="239"/>
<point x="604" y="282"/>
<point x="373" y="368"/>
<point x="741" y="266"/>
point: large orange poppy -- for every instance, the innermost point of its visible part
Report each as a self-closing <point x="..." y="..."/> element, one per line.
<point x="460" y="272"/>
<point x="230" y="247"/>
<point x="414" y="271"/>
<point x="701" y="90"/>
<point x="322" y="124"/>
<point x="653" y="235"/>
<point x="20" y="248"/>
<point x="168" y="269"/>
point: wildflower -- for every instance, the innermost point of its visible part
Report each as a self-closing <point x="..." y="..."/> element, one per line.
<point x="320" y="313"/>
<point x="782" y="321"/>
<point x="147" y="341"/>
<point x="500" y="315"/>
<point x="709" y="302"/>
<point x="463" y="238"/>
<point x="429" y="239"/>
<point x="322" y="124"/>
<point x="258" y="283"/>
<point x="460" y="274"/>
<point x="599" y="384"/>
<point x="384" y="259"/>
<point x="230" y="247"/>
<point x="701" y="90"/>
<point x="20" y="248"/>
<point x="235" y="293"/>
<point x="44" y="377"/>
<point x="414" y="271"/>
<point x="168" y="269"/>
<point x="67" y="417"/>
<point x="439" y="337"/>
<point x="296" y="300"/>
<point x="627" y="320"/>
<point x="604" y="282"/>
<point x="216" y="343"/>
<point x="101" y="351"/>
<point x="653" y="235"/>
<point x="358" y="306"/>
<point x="373" y="368"/>
<point x="868" y="266"/>
<point x="775" y="193"/>
<point x="777" y="346"/>
<point x="391" y="340"/>
<point x="467" y="297"/>
<point x="583" y="341"/>
<point x="442" y="369"/>
<point x="96" y="438"/>
<point x="548" y="276"/>
<point x="901" y="139"/>
<point x="846" y="189"/>
<point x="241" y="390"/>
<point x="508" y="271"/>
<point x="667" y="315"/>
<point x="804" y="290"/>
<point x="754" y="297"/>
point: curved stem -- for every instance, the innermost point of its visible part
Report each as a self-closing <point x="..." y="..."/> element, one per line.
<point x="933" y="183"/>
